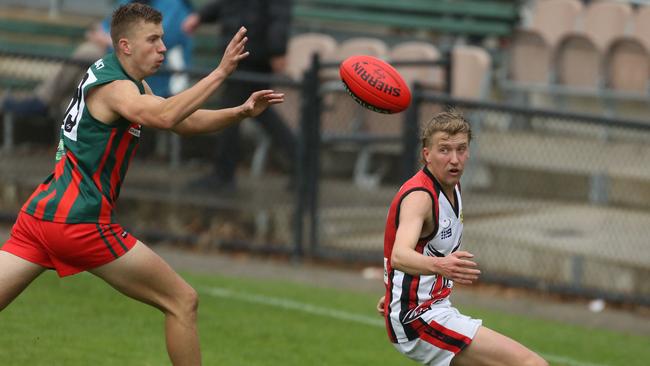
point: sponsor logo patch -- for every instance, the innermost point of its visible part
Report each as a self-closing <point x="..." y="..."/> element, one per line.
<point x="135" y="130"/>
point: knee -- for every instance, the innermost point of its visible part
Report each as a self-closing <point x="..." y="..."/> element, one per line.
<point x="190" y="300"/>
<point x="185" y="303"/>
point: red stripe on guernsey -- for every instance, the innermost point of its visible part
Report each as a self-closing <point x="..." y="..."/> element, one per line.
<point x="72" y="191"/>
<point x="58" y="171"/>
<point x="440" y="336"/>
<point x="438" y="292"/>
<point x="43" y="187"/>
<point x="442" y="294"/>
<point x="119" y="160"/>
<point x="40" y="207"/>
<point x="437" y="286"/>
<point x="97" y="177"/>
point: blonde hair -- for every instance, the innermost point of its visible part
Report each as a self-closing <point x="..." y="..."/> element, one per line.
<point x="451" y="122"/>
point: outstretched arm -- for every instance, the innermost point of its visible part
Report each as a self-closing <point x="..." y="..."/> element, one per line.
<point x="206" y="121"/>
<point x="122" y="98"/>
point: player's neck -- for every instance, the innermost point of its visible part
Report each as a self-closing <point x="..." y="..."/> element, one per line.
<point x="131" y="69"/>
<point x="449" y="193"/>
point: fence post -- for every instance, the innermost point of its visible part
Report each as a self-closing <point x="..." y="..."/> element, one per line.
<point x="449" y="80"/>
<point x="307" y="147"/>
<point x="314" y="149"/>
<point x="410" y="134"/>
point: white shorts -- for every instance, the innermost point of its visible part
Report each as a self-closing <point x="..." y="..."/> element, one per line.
<point x="443" y="332"/>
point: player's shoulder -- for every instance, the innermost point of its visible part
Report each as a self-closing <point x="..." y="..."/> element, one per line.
<point x="417" y="201"/>
<point x="107" y="67"/>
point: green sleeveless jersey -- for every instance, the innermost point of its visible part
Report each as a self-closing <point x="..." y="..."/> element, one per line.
<point x="91" y="160"/>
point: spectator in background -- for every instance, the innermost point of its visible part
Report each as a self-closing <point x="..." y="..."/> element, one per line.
<point x="52" y="92"/>
<point x="268" y="25"/>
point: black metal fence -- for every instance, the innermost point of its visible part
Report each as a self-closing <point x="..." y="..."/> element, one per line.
<point x="555" y="201"/>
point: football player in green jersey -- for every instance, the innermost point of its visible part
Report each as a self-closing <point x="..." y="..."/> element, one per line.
<point x="68" y="223"/>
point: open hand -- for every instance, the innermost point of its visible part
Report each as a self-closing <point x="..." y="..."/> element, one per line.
<point x="458" y="268"/>
<point x="235" y="52"/>
<point x="260" y="100"/>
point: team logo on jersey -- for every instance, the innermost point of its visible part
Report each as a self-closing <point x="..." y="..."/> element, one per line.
<point x="415" y="313"/>
<point x="445" y="234"/>
<point x="445" y="223"/>
<point x="135" y="130"/>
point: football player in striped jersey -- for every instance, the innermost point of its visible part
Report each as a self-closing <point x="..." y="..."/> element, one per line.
<point x="423" y="258"/>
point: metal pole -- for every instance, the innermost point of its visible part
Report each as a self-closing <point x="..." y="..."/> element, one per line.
<point x="448" y="72"/>
<point x="314" y="161"/>
<point x="8" y="132"/>
<point x="309" y="88"/>
<point x="410" y="143"/>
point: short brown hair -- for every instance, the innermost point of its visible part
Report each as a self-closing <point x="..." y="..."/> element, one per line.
<point x="127" y="15"/>
<point x="452" y="122"/>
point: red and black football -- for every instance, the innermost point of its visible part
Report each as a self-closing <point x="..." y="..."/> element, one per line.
<point x="375" y="84"/>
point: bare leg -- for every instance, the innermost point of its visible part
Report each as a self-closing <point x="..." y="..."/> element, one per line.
<point x="142" y="275"/>
<point x="492" y="348"/>
<point x="15" y="275"/>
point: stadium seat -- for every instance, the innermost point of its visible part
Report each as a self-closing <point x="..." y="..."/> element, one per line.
<point x="300" y="49"/>
<point x="641" y="27"/>
<point x="627" y="66"/>
<point x="471" y="72"/>
<point x="555" y="18"/>
<point x="577" y="62"/>
<point x="579" y="81"/>
<point x="429" y="76"/>
<point x="529" y="58"/>
<point x="606" y="20"/>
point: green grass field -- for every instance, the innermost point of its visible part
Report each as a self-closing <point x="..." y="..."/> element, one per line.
<point x="82" y="321"/>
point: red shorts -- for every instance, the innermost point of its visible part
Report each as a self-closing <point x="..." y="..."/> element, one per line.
<point x="68" y="248"/>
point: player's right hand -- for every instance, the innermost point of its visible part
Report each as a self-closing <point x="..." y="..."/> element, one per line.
<point x="235" y="52"/>
<point x="458" y="268"/>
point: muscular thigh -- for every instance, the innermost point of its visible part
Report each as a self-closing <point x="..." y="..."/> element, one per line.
<point x="15" y="274"/>
<point x="144" y="276"/>
<point x="492" y="348"/>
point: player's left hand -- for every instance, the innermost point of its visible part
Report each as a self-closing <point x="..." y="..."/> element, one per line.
<point x="260" y="100"/>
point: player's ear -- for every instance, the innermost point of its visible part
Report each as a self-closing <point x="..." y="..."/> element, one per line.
<point x="425" y="155"/>
<point x="124" y="45"/>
